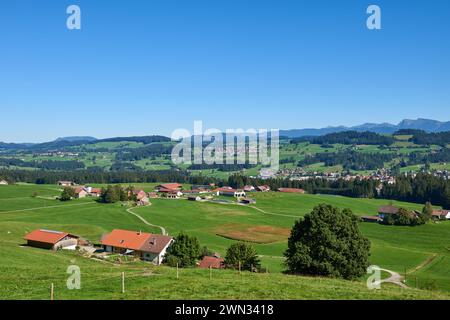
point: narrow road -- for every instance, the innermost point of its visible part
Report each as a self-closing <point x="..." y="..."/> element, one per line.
<point x="163" y="230"/>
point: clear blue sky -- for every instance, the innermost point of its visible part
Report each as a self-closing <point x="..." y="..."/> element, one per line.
<point x="150" y="66"/>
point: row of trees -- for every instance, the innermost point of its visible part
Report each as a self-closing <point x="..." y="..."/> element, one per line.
<point x="349" y="137"/>
<point x="420" y="189"/>
<point x="350" y="160"/>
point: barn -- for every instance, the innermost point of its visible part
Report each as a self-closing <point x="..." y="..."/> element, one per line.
<point x="51" y="240"/>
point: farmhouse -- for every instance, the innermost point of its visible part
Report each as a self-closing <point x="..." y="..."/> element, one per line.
<point x="230" y="192"/>
<point x="94" y="192"/>
<point x="169" y="186"/>
<point x="291" y="190"/>
<point x="390" y="210"/>
<point x="249" y="188"/>
<point x="3" y="183"/>
<point x="66" y="183"/>
<point x="440" y="214"/>
<point x="140" y="194"/>
<point x="371" y="219"/>
<point x="145" y="201"/>
<point x="383" y="212"/>
<point x="146" y="246"/>
<point x="264" y="188"/>
<point x="52" y="240"/>
<point x="80" y="193"/>
<point x="211" y="262"/>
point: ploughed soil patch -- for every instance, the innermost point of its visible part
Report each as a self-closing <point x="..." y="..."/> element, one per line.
<point x="252" y="233"/>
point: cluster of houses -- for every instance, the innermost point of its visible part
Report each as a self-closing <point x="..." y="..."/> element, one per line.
<point x="141" y="245"/>
<point x="385" y="211"/>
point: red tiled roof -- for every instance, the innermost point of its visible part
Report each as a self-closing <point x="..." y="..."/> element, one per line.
<point x="134" y="240"/>
<point x="96" y="190"/>
<point x="440" y="212"/>
<point x="47" y="236"/>
<point x="79" y="190"/>
<point x="125" y="239"/>
<point x="388" y="210"/>
<point x="172" y="186"/>
<point x="213" y="262"/>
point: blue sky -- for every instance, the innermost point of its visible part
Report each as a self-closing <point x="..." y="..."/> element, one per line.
<point x="146" y="67"/>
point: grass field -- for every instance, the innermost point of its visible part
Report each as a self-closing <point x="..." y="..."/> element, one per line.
<point x="266" y="225"/>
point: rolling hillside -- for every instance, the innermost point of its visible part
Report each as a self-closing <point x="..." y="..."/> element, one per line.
<point x="421" y="251"/>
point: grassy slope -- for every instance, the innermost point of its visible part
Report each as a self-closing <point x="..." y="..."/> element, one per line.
<point x="393" y="248"/>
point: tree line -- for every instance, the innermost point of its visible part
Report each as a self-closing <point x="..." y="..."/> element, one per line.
<point x="348" y="137"/>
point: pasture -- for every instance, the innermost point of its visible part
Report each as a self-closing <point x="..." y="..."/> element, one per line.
<point x="421" y="252"/>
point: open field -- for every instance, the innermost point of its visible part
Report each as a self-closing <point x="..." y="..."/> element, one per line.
<point x="266" y="224"/>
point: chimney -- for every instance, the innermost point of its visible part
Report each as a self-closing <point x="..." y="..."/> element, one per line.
<point x="153" y="242"/>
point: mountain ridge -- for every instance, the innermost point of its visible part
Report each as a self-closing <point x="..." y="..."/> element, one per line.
<point x="427" y="125"/>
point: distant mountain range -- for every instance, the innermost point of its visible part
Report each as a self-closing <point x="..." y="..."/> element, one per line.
<point x="386" y="128"/>
<point x="75" y="139"/>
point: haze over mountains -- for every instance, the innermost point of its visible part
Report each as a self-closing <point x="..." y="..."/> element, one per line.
<point x="386" y="128"/>
<point x="427" y="125"/>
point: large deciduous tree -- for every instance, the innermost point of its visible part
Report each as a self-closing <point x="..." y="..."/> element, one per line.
<point x="243" y="255"/>
<point x="184" y="252"/>
<point x="328" y="242"/>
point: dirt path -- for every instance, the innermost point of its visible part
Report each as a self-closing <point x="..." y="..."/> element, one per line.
<point x="424" y="264"/>
<point x="163" y="230"/>
<point x="48" y="207"/>
<point x="395" y="278"/>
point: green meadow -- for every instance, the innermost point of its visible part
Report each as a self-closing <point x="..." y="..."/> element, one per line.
<point x="422" y="253"/>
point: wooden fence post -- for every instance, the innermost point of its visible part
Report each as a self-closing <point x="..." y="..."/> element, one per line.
<point x="178" y="275"/>
<point x="123" y="282"/>
<point x="52" y="291"/>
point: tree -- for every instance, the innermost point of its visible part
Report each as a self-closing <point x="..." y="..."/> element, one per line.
<point x="185" y="251"/>
<point x="328" y="242"/>
<point x="243" y="255"/>
<point x="109" y="195"/>
<point x="67" y="194"/>
<point x="427" y="212"/>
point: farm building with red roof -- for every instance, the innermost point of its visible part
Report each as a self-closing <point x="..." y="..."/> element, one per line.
<point x="146" y="246"/>
<point x="52" y="240"/>
<point x="211" y="262"/>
